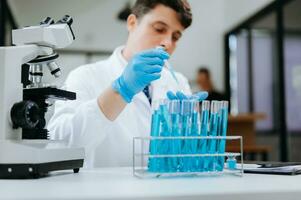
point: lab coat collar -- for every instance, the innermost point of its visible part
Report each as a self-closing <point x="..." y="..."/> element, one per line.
<point x="120" y="57"/>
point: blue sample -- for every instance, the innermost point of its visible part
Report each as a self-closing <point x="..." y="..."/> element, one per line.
<point x="194" y="142"/>
<point x="176" y="144"/>
<point x="185" y="131"/>
<point x="222" y="132"/>
<point x="231" y="162"/>
<point x="185" y="143"/>
<point x="176" y="118"/>
<point x="190" y="127"/>
<point x="214" y="118"/>
<point x="212" y="142"/>
<point x="165" y="131"/>
<point x="155" y="128"/>
<point x="202" y="147"/>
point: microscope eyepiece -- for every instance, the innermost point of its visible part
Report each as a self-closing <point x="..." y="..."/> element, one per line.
<point x="47" y="21"/>
<point x="66" y="19"/>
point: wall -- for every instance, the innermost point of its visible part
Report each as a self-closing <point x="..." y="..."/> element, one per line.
<point x="237" y="10"/>
<point x="202" y="43"/>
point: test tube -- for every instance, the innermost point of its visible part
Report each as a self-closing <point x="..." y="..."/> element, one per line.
<point x="195" y="126"/>
<point x="202" y="145"/>
<point x="155" y="131"/>
<point x="174" y="110"/>
<point x="165" y="131"/>
<point x="231" y="162"/>
<point x="223" y="125"/>
<point x="213" y="126"/>
<point x="186" y="111"/>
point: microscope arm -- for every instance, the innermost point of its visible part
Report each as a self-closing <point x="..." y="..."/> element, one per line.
<point x="11" y="58"/>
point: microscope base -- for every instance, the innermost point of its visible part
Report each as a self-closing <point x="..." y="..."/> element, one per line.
<point x="33" y="171"/>
<point x="35" y="159"/>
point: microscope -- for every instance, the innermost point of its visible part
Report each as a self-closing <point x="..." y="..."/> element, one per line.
<point x="25" y="148"/>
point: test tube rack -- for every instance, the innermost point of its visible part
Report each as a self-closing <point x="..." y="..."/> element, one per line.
<point x="142" y="157"/>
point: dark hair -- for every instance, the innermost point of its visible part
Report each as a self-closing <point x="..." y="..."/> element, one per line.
<point x="182" y="8"/>
<point x="204" y="70"/>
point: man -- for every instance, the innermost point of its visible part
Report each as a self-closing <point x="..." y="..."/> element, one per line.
<point x="204" y="82"/>
<point x="114" y="96"/>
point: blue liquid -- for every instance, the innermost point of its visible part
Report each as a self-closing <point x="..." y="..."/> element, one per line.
<point x="155" y="127"/>
<point x="194" y="142"/>
<point x="210" y="162"/>
<point x="231" y="163"/>
<point x="165" y="145"/>
<point x="175" y="144"/>
<point x="185" y="143"/>
<point x="202" y="149"/>
<point x="186" y="124"/>
<point x="222" y="143"/>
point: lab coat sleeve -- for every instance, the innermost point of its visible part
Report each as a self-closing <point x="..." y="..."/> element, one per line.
<point x="80" y="121"/>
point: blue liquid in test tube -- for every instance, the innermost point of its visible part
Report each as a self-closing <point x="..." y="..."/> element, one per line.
<point x="186" y="111"/>
<point x="153" y="149"/>
<point x="174" y="110"/>
<point x="165" y="131"/>
<point x="195" y="126"/>
<point x="222" y="132"/>
<point x="210" y="162"/>
<point x="202" y="146"/>
<point x="231" y="161"/>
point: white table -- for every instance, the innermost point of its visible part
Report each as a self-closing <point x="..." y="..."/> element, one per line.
<point x="119" y="183"/>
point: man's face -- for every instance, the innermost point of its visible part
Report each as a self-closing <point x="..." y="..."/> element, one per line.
<point x="159" y="27"/>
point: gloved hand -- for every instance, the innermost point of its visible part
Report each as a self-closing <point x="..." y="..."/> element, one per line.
<point x="200" y="96"/>
<point x="143" y="68"/>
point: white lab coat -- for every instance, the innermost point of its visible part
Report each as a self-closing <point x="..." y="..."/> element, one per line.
<point x="81" y="122"/>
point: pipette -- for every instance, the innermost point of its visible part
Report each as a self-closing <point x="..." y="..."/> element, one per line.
<point x="169" y="67"/>
<point x="171" y="70"/>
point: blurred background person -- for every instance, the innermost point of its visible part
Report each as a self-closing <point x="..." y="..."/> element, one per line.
<point x="205" y="83"/>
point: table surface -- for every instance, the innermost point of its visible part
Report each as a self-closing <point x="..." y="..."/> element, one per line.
<point x="246" y="117"/>
<point x="119" y="183"/>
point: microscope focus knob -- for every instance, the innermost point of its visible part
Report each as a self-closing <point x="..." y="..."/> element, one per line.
<point x="25" y="114"/>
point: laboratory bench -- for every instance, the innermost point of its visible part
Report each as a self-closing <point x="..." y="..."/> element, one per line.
<point x="119" y="183"/>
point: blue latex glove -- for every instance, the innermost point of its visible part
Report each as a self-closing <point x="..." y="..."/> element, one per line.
<point x="143" y="68"/>
<point x="200" y="96"/>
